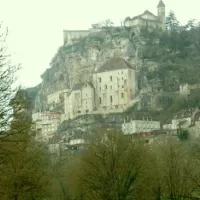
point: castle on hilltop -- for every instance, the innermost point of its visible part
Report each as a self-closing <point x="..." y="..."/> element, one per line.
<point x="148" y="19"/>
<point x="136" y="23"/>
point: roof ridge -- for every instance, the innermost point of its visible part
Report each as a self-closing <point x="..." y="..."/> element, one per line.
<point x="124" y="62"/>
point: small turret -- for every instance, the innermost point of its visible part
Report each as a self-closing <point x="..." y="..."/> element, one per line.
<point x="161" y="11"/>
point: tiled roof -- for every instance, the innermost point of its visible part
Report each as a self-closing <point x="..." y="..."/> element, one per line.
<point x="140" y="16"/>
<point x="115" y="63"/>
<point x="160" y="4"/>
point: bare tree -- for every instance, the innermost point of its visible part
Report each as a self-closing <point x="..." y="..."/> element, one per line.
<point x="110" y="169"/>
<point x="7" y="80"/>
<point x="25" y="165"/>
<point x="168" y="177"/>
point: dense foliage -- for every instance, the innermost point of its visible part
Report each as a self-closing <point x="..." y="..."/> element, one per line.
<point x="114" y="167"/>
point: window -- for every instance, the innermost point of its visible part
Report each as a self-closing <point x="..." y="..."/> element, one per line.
<point x="111" y="87"/>
<point x="122" y="86"/>
<point x="100" y="89"/>
<point x="99" y="100"/>
<point x="99" y="79"/>
<point x="122" y="78"/>
<point x="125" y="82"/>
<point x="110" y="78"/>
<point x="111" y="99"/>
<point x="86" y="94"/>
<point x="122" y="95"/>
<point x="106" y="87"/>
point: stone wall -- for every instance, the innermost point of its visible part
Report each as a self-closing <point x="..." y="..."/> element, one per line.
<point x="71" y="35"/>
<point x="89" y="124"/>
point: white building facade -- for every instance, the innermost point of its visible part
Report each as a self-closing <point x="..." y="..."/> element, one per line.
<point x="80" y="101"/>
<point x="139" y="126"/>
<point x="183" y="119"/>
<point x="114" y="88"/>
<point x="46" y="125"/>
<point x="55" y="97"/>
<point x="115" y="85"/>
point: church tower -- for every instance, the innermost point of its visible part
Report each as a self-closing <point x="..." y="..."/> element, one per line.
<point x="161" y="11"/>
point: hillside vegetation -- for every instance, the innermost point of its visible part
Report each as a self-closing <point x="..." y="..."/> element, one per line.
<point x="177" y="51"/>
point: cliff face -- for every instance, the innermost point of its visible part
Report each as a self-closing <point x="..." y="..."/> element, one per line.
<point x="90" y="124"/>
<point x="77" y="62"/>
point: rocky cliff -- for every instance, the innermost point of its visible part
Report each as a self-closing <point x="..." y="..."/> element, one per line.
<point x="164" y="61"/>
<point x="77" y="62"/>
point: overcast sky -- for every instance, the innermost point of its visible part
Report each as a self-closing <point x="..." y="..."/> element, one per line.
<point x="36" y="26"/>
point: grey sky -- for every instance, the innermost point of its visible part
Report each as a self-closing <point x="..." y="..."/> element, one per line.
<point x="36" y="26"/>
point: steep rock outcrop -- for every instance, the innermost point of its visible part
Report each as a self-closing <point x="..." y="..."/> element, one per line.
<point x="77" y="62"/>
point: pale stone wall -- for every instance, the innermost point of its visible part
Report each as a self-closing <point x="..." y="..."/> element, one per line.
<point x="161" y="14"/>
<point x="67" y="107"/>
<point x="76" y="141"/>
<point x="139" y="126"/>
<point x="175" y="124"/>
<point x="114" y="89"/>
<point x="55" y="97"/>
<point x="169" y="127"/>
<point x="46" y="124"/>
<point x="80" y="101"/>
<point x="87" y="99"/>
<point x="184" y="90"/>
<point x="148" y="17"/>
<point x="70" y="35"/>
<point x="141" y="23"/>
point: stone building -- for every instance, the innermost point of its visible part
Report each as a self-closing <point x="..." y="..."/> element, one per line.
<point x="71" y="36"/>
<point x="115" y="85"/>
<point x="55" y="97"/>
<point x="113" y="89"/>
<point x="182" y="119"/>
<point x="140" y="126"/>
<point x="147" y="19"/>
<point x="80" y="101"/>
<point x="184" y="90"/>
<point x="46" y="124"/>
